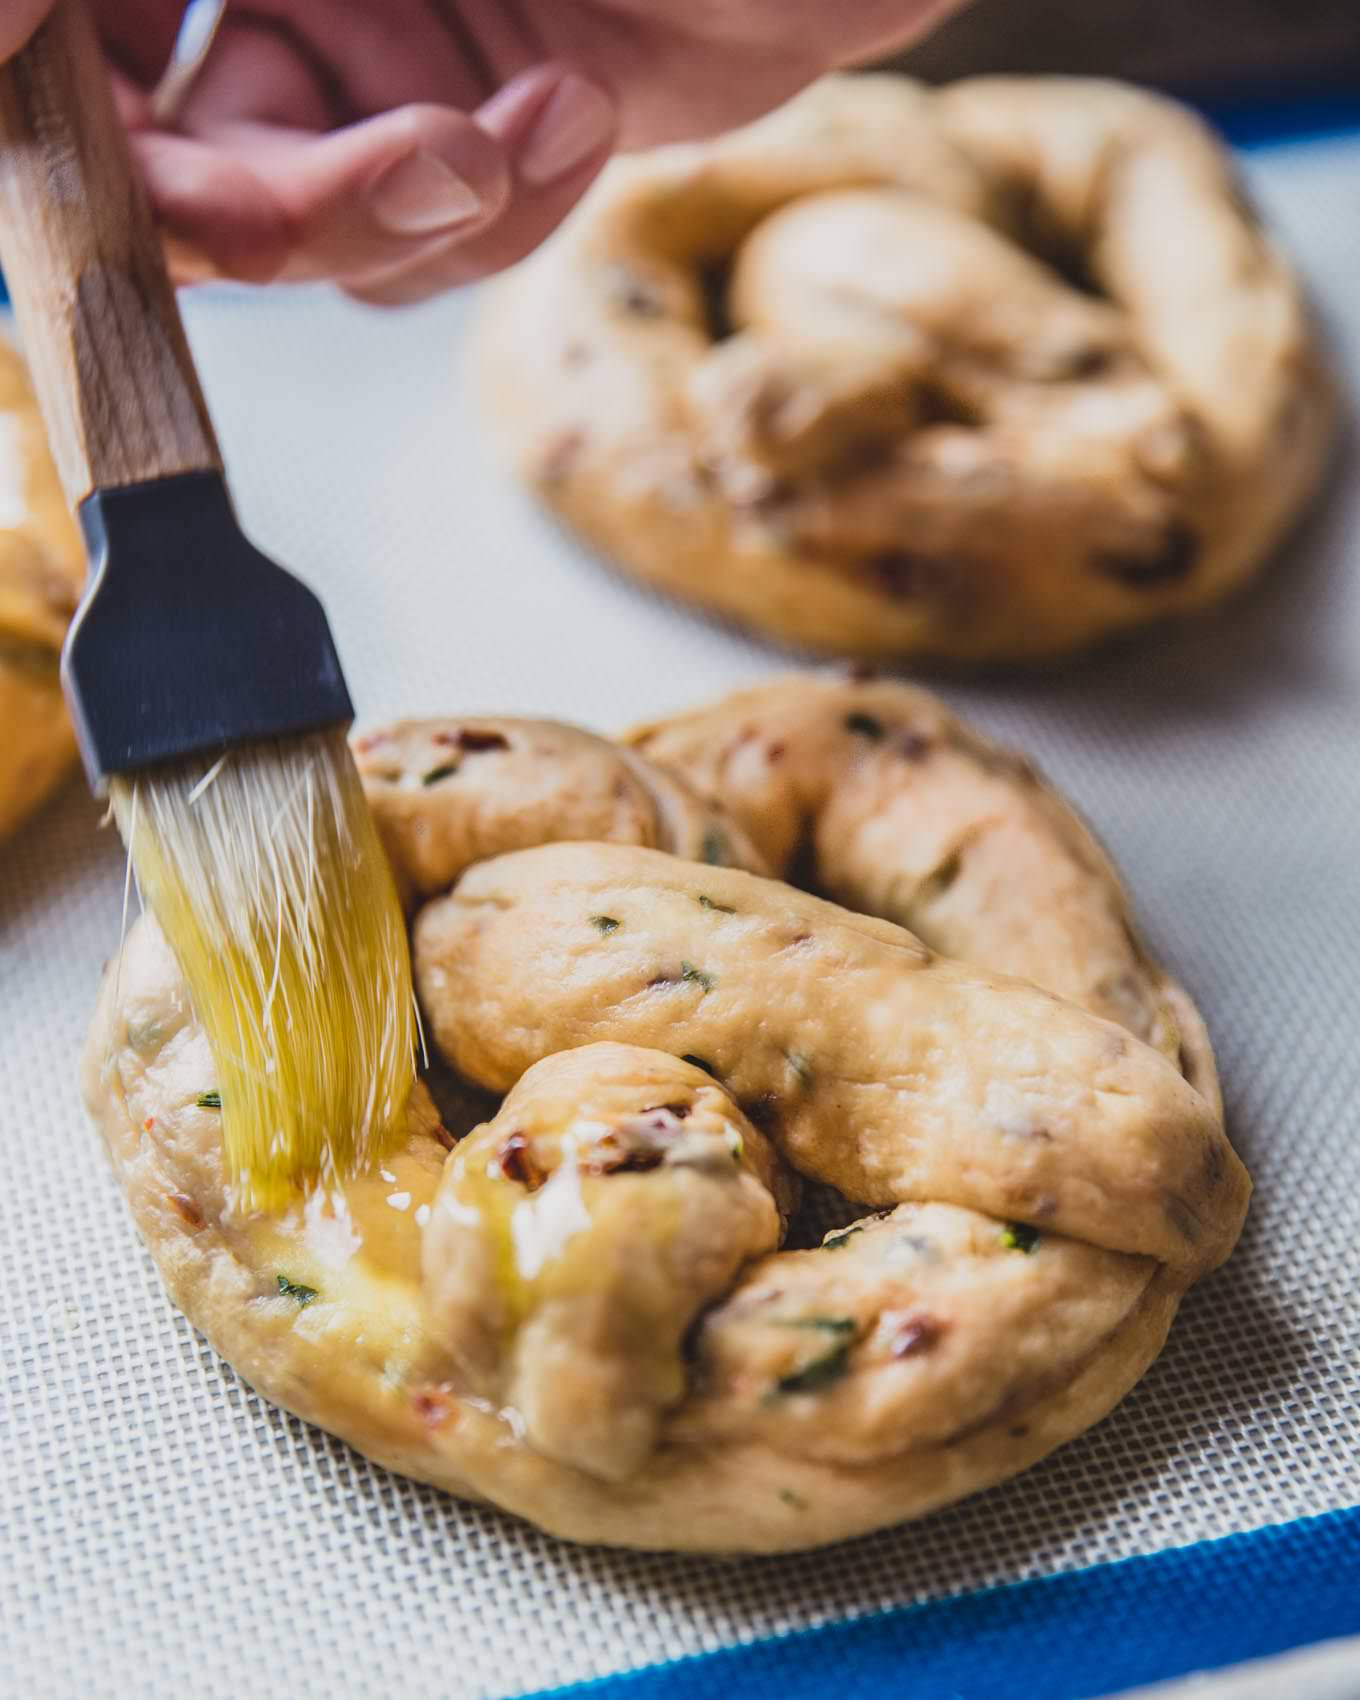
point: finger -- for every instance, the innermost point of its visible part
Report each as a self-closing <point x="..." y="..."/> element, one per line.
<point x="502" y="40"/>
<point x="132" y="100"/>
<point x="557" y="129"/>
<point x="257" y="73"/>
<point x="258" y="202"/>
<point x="377" y="194"/>
<point x="376" y="57"/>
<point x="221" y="219"/>
<point x="18" y="20"/>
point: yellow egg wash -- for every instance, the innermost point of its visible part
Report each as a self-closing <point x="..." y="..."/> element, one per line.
<point x="306" y="1000"/>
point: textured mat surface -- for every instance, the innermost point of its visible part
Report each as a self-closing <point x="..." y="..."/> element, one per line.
<point x="164" y="1533"/>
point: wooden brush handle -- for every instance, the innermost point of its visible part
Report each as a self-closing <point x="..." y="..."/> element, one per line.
<point x="84" y="266"/>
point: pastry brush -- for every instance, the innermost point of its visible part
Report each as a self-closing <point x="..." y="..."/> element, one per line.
<point x="204" y="685"/>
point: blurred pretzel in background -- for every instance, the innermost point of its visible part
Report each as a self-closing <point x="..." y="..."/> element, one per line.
<point x="986" y="372"/>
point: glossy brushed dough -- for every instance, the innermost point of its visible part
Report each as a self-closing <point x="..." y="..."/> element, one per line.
<point x="579" y="1311"/>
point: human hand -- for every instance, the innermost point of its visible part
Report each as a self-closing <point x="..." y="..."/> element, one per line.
<point x="400" y="147"/>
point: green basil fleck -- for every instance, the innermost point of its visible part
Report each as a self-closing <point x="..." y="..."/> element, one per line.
<point x="839" y="1241"/>
<point x="209" y="1100"/>
<point x="865" y="725"/>
<point x="714" y="849"/>
<point x="1019" y="1236"/>
<point x="296" y="1290"/>
<point x="604" y="923"/>
<point x="437" y="773"/>
<point x="821" y="1372"/>
<point x="700" y="1062"/>
<point x="827" y="1324"/>
<point x="718" y="908"/>
<point x="697" y="976"/>
<point x="791" y="1498"/>
<point x="801" y="1067"/>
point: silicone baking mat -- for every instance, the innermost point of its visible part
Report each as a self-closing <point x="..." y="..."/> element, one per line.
<point x="165" y="1533"/>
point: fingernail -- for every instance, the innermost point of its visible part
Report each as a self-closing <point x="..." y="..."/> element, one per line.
<point x="420" y="195"/>
<point x="576" y="122"/>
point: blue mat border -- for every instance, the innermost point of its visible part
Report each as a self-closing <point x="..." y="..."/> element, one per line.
<point x="1074" y="1636"/>
<point x="1262" y="123"/>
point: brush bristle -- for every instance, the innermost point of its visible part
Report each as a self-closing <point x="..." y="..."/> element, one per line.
<point x="268" y="880"/>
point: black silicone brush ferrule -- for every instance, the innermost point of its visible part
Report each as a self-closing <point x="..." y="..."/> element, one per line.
<point x="188" y="638"/>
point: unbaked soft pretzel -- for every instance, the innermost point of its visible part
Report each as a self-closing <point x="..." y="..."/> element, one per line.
<point x="42" y="568"/>
<point x="580" y="1312"/>
<point x="984" y="372"/>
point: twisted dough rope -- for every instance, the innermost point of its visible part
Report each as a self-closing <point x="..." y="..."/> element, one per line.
<point x="919" y="436"/>
<point x="580" y="1314"/>
<point x="42" y="569"/>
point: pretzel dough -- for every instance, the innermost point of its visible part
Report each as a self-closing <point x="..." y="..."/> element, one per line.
<point x="580" y="1313"/>
<point x="988" y="372"/>
<point x="42" y="569"/>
